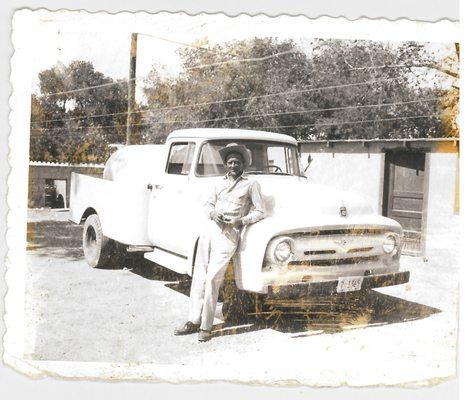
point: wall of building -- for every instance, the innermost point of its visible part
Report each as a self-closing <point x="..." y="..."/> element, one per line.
<point x="40" y="172"/>
<point x="350" y="166"/>
<point x="442" y="216"/>
<point x="356" y="172"/>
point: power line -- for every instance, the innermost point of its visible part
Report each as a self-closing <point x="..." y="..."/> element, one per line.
<point x="289" y="92"/>
<point x="84" y="88"/>
<point x="176" y="42"/>
<point x="119" y="82"/>
<point x="391" y="66"/>
<point x="212" y="65"/>
<point x="263" y="115"/>
<point x="85" y="117"/>
<point x="309" y="111"/>
<point x="86" y="127"/>
<point x="251" y="59"/>
<point x="345" y="122"/>
<point x="254" y="59"/>
<point x="259" y="127"/>
<point x="216" y="64"/>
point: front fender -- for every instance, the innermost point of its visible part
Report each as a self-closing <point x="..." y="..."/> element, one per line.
<point x="255" y="238"/>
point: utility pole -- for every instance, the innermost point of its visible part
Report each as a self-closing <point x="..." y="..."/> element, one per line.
<point x="131" y="90"/>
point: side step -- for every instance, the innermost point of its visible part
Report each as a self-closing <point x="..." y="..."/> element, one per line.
<point x="169" y="260"/>
<point x="139" y="249"/>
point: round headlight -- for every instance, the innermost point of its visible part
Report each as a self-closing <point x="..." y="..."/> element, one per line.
<point x="282" y="251"/>
<point x="389" y="244"/>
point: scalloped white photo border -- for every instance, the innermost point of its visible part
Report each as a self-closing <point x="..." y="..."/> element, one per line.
<point x="24" y="24"/>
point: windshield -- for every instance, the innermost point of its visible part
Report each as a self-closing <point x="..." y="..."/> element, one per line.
<point x="266" y="158"/>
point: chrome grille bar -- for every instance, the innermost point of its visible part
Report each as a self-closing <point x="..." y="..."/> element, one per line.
<point x="337" y="261"/>
<point x="345" y="231"/>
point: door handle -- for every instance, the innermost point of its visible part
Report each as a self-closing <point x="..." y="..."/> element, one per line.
<point x="153" y="186"/>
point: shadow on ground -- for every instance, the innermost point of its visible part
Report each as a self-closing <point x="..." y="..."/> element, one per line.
<point x="62" y="239"/>
<point x="307" y="317"/>
<point x="332" y="315"/>
<point x="55" y="239"/>
<point x="338" y="314"/>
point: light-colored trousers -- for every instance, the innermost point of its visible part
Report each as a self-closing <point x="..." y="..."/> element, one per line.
<point x="215" y="249"/>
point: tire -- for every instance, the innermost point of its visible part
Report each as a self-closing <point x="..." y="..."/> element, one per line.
<point x="98" y="249"/>
<point x="60" y="202"/>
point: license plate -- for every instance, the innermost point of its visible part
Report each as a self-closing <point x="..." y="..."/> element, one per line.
<point x="349" y="284"/>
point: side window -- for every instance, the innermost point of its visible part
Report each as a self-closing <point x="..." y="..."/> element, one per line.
<point x="277" y="159"/>
<point x="210" y="163"/>
<point x="180" y="158"/>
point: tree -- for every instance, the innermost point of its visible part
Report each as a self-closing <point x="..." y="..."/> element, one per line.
<point x="332" y="89"/>
<point x="397" y="98"/>
<point x="78" y="112"/>
<point x="451" y="96"/>
<point x="323" y="89"/>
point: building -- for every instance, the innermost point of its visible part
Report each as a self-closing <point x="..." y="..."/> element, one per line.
<point x="49" y="183"/>
<point x="414" y="181"/>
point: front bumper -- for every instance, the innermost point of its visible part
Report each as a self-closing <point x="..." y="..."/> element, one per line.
<point x="329" y="288"/>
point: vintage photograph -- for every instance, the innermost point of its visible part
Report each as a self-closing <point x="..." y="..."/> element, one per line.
<point x="247" y="199"/>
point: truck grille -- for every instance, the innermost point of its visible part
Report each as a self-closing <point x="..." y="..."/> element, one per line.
<point x="332" y="247"/>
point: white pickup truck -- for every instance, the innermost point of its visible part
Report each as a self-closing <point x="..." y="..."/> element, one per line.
<point x="314" y="241"/>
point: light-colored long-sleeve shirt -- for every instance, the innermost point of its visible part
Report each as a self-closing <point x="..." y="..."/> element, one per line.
<point x="240" y="198"/>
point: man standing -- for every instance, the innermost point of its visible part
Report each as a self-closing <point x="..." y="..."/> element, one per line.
<point x="235" y="201"/>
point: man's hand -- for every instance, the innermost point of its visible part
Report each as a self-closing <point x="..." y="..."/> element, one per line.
<point x="217" y="217"/>
<point x="233" y="221"/>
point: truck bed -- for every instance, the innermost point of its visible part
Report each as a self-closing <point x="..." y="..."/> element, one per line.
<point x="121" y="206"/>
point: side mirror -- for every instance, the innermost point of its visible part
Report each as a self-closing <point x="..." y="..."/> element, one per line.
<point x="309" y="161"/>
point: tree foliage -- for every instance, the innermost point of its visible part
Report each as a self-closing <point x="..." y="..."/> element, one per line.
<point x="70" y="123"/>
<point x="342" y="110"/>
<point x="319" y="89"/>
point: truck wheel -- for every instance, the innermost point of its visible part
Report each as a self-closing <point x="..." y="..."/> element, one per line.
<point x="98" y="248"/>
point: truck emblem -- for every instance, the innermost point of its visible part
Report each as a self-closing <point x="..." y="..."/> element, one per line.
<point x="343" y="211"/>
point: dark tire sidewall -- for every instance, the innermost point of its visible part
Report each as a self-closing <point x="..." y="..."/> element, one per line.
<point x="94" y="243"/>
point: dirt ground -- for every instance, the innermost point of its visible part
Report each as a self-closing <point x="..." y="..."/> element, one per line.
<point x="400" y="334"/>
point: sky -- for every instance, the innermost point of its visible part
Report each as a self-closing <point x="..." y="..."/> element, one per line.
<point x="104" y="39"/>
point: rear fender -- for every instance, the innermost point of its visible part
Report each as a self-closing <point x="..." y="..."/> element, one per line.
<point x="122" y="207"/>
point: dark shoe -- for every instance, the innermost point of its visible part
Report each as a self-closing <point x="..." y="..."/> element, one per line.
<point x="186" y="329"/>
<point x="204" y="336"/>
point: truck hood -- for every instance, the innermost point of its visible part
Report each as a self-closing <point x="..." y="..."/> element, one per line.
<point x="291" y="196"/>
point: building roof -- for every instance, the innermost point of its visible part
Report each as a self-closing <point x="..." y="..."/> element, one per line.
<point x="57" y="164"/>
<point x="434" y="145"/>
<point x="400" y="140"/>
<point x="224" y="133"/>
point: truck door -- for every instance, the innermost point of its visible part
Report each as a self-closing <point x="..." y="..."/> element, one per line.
<point x="170" y="207"/>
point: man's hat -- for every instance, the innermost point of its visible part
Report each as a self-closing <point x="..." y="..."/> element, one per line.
<point x="236" y="148"/>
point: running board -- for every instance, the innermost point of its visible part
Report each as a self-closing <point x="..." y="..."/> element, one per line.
<point x="169" y="260"/>
<point x="138" y="249"/>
